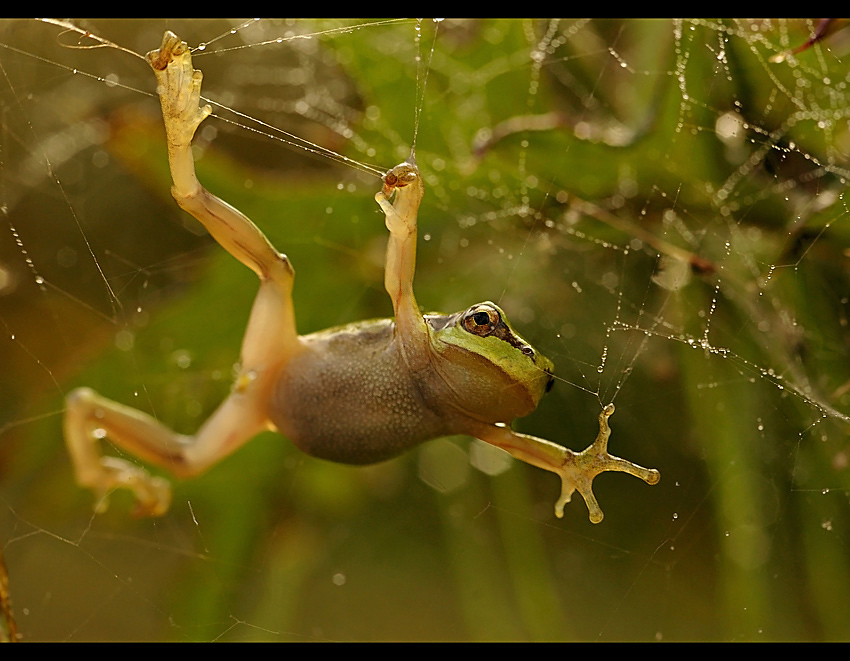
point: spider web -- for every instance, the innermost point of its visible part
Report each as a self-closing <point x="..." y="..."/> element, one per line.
<point x="658" y="206"/>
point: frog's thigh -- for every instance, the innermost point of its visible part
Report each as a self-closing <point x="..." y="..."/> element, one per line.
<point x="269" y="343"/>
<point x="237" y="420"/>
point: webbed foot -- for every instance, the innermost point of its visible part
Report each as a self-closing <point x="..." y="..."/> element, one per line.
<point x="579" y="469"/>
<point x="87" y="417"/>
<point x="153" y="494"/>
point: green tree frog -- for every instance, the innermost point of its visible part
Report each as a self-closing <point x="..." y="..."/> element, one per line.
<point x="356" y="394"/>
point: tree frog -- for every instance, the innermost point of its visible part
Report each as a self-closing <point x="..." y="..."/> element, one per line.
<point x="356" y="394"/>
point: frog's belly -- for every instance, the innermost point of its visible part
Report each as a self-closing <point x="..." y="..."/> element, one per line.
<point x="349" y="398"/>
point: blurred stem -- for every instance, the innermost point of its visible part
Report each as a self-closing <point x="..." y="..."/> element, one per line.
<point x="477" y="571"/>
<point x="723" y="413"/>
<point x="533" y="580"/>
<point x="827" y="571"/>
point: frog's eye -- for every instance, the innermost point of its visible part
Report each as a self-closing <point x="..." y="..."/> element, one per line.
<point x="482" y="321"/>
<point x="390" y="180"/>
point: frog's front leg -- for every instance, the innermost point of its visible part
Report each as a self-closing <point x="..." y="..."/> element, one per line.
<point x="577" y="470"/>
<point x="404" y="182"/>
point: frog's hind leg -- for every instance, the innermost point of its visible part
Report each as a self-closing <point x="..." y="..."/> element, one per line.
<point x="90" y="417"/>
<point x="270" y="339"/>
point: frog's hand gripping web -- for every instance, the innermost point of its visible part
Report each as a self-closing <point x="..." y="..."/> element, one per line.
<point x="580" y="469"/>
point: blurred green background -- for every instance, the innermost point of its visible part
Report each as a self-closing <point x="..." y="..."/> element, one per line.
<point x="659" y="208"/>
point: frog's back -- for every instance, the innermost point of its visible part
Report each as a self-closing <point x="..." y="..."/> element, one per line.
<point x="350" y="398"/>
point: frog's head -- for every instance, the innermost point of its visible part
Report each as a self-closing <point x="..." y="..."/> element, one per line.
<point x="493" y="373"/>
<point x="406" y="182"/>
